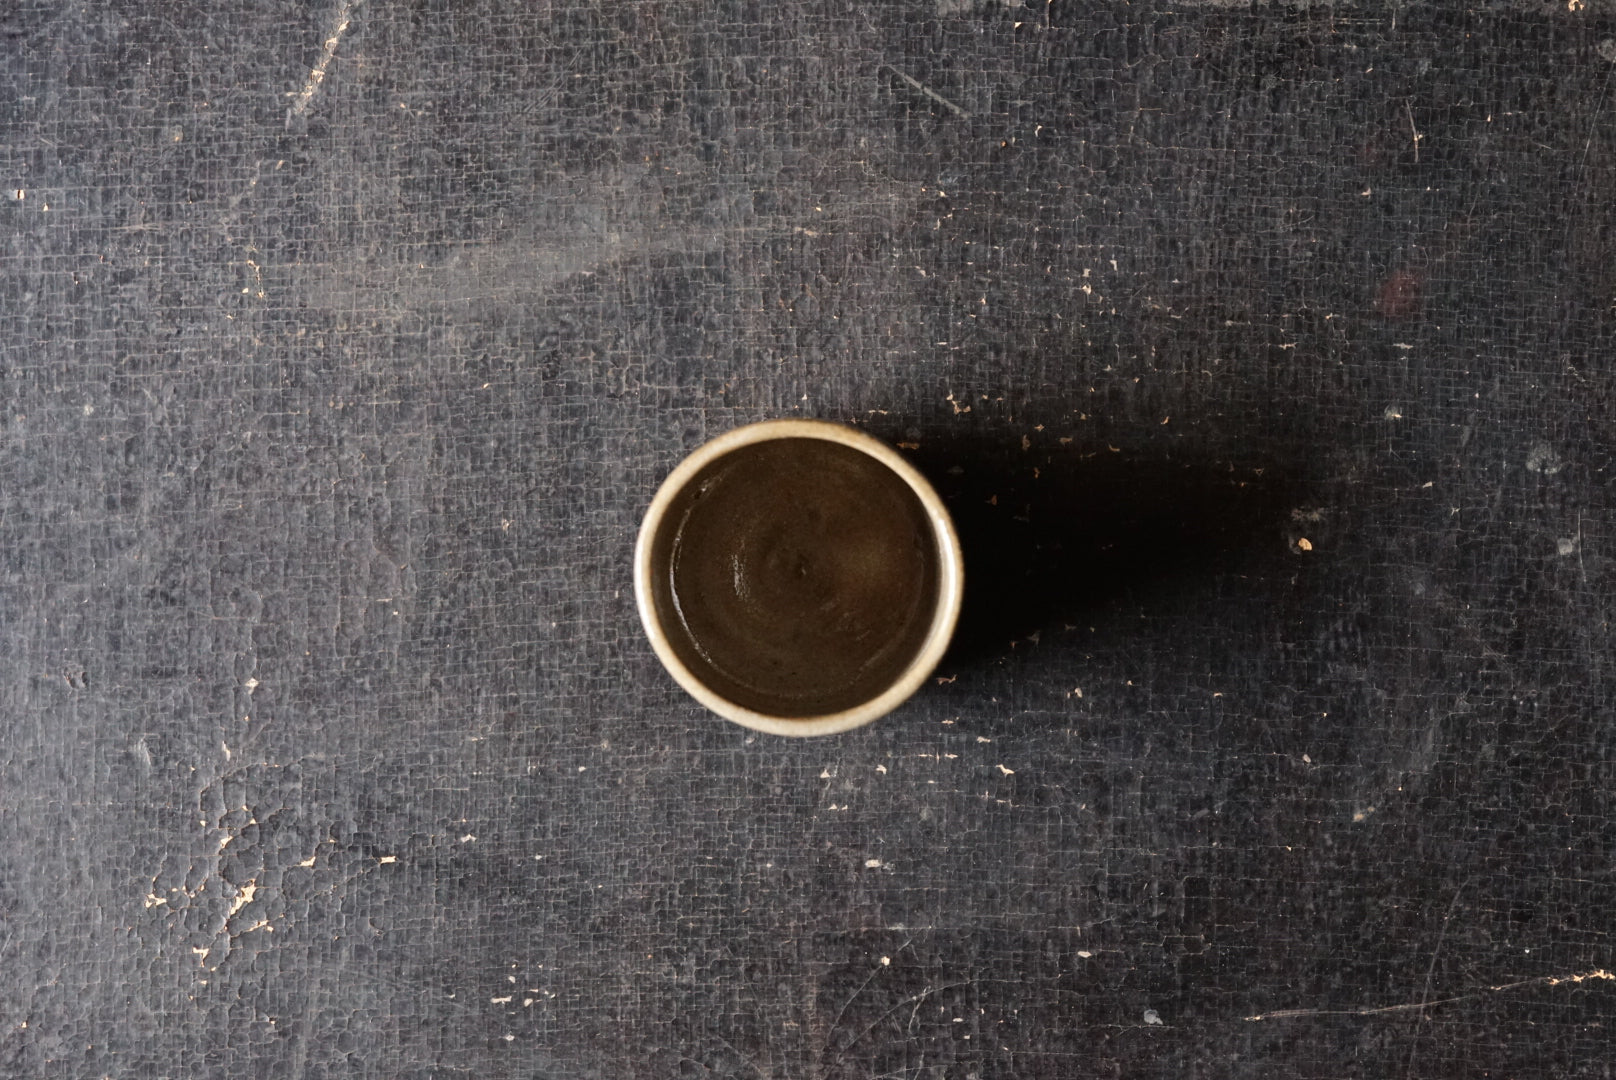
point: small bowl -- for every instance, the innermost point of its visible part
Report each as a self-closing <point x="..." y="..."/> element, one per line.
<point x="798" y="577"/>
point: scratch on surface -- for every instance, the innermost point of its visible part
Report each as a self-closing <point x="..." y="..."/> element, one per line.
<point x="1430" y="969"/>
<point x="1415" y="1006"/>
<point x="920" y="87"/>
<point x="914" y="999"/>
<point x="329" y="51"/>
<point x="1607" y="50"/>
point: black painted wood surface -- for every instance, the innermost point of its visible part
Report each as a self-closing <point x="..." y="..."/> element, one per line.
<point x="1267" y="356"/>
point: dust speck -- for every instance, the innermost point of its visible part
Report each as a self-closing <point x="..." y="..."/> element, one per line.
<point x="1152" y="1016"/>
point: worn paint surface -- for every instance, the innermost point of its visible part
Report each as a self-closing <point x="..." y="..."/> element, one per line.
<point x="1265" y="357"/>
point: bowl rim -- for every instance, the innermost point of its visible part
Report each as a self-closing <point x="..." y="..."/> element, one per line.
<point x="950" y="577"/>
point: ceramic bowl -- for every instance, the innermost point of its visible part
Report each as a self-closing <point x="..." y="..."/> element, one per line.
<point x="798" y="577"/>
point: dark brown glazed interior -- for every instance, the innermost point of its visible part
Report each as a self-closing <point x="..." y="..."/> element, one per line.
<point x="796" y="577"/>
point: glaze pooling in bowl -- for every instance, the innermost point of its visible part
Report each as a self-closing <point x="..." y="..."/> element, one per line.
<point x="802" y="574"/>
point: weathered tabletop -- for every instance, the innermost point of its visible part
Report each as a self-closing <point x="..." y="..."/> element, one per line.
<point x="1268" y="357"/>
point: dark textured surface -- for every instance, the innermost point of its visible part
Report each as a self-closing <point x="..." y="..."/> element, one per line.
<point x="329" y="744"/>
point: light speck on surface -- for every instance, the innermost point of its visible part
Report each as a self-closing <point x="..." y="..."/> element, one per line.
<point x="1542" y="458"/>
<point x="1152" y="1017"/>
<point x="243" y="897"/>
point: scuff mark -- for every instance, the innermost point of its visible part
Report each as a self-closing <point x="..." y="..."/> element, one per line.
<point x="327" y="53"/>
<point x="1541" y="458"/>
<point x="966" y="7"/>
<point x="921" y="88"/>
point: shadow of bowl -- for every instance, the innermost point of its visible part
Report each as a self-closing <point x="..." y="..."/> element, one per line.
<point x="1067" y="533"/>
